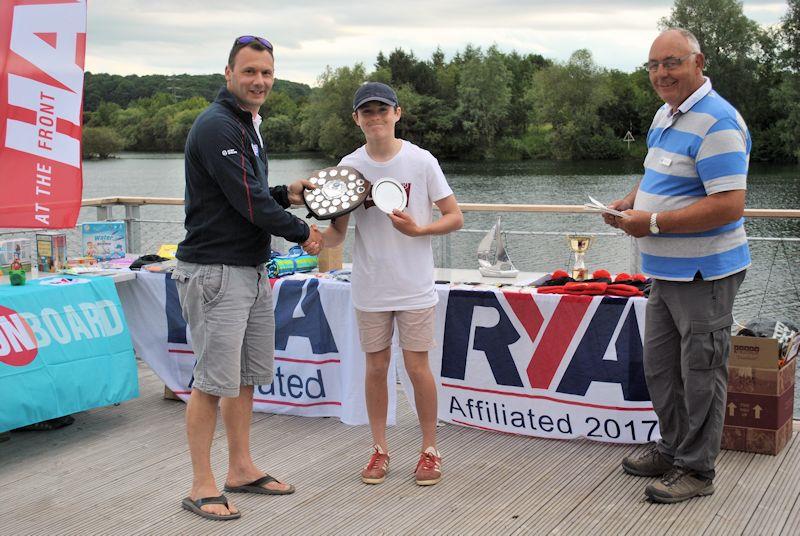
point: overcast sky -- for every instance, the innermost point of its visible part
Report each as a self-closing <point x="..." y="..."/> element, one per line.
<point x="194" y="36"/>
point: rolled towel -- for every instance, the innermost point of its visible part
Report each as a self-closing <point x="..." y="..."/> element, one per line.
<point x="296" y="260"/>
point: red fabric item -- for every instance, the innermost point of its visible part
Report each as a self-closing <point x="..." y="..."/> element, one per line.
<point x="577" y="288"/>
<point x="558" y="274"/>
<point x="620" y="289"/>
<point x="601" y="274"/>
<point x="550" y="290"/>
<point x="591" y="289"/>
<point x="622" y="276"/>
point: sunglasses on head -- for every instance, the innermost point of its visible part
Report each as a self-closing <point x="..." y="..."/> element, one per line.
<point x="245" y="39"/>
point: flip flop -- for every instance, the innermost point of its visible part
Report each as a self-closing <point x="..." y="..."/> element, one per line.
<point x="256" y="487"/>
<point x="194" y="507"/>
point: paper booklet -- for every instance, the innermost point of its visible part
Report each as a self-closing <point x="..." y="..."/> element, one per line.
<point x="597" y="206"/>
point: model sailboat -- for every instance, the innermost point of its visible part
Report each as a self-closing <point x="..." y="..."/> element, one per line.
<point x="495" y="263"/>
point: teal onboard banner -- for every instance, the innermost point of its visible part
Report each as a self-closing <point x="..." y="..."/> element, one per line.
<point x="64" y="348"/>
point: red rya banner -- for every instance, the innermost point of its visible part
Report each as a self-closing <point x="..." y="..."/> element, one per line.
<point x="41" y="95"/>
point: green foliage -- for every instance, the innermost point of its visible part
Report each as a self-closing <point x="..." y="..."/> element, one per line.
<point x="100" y="142"/>
<point x="786" y="95"/>
<point x="327" y="123"/>
<point x="741" y="61"/>
<point x="572" y="98"/>
<point x="487" y="104"/>
<point x="123" y="90"/>
<point x="484" y="95"/>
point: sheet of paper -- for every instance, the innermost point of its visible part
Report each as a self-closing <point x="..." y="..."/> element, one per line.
<point x="600" y="207"/>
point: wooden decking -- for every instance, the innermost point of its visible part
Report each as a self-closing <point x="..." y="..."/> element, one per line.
<point x="123" y="470"/>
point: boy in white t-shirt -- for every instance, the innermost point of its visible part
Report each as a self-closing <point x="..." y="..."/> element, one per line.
<point x="392" y="279"/>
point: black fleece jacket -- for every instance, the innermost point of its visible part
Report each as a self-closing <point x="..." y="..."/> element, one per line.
<point x="230" y="209"/>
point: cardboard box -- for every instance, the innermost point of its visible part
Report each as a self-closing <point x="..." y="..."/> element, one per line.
<point x="103" y="240"/>
<point x="51" y="251"/>
<point x="756" y="440"/>
<point x="755" y="352"/>
<point x="759" y="406"/>
<point x="330" y="259"/>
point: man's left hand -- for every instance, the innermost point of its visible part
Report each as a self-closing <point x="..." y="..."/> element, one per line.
<point x="405" y="223"/>
<point x="636" y="224"/>
<point x="296" y="190"/>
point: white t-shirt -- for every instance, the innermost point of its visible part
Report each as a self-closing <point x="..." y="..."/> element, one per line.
<point x="393" y="271"/>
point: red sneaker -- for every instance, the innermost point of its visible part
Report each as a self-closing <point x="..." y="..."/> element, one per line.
<point x="429" y="467"/>
<point x="375" y="471"/>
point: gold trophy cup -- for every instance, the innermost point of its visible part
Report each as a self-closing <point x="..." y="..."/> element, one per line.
<point x="579" y="244"/>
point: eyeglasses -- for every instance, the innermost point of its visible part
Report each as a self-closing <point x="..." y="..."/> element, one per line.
<point x="245" y="39"/>
<point x="669" y="63"/>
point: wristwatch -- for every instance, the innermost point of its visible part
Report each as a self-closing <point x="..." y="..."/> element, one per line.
<point x="653" y="224"/>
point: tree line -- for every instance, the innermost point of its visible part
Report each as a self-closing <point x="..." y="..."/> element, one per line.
<point x="483" y="104"/>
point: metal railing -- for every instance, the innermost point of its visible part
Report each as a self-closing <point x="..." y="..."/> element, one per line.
<point x="134" y="221"/>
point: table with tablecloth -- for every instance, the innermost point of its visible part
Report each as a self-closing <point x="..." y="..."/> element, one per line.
<point x="505" y="360"/>
<point x="64" y="348"/>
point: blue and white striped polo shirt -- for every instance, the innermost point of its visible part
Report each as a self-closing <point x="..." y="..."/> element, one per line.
<point x="701" y="149"/>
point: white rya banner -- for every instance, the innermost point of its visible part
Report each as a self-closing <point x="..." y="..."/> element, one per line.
<point x="539" y="365"/>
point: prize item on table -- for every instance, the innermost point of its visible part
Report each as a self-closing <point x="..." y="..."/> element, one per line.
<point x="579" y="244"/>
<point x="15" y="249"/>
<point x="16" y="275"/>
<point x="341" y="275"/>
<point x="81" y="261"/>
<point x="388" y="194"/>
<point x="103" y="240"/>
<point x="601" y="283"/>
<point x="636" y="280"/>
<point x="621" y="289"/>
<point x="557" y="278"/>
<point x="51" y="251"/>
<point x="296" y="260"/>
<point x="163" y="267"/>
<point x="576" y="288"/>
<point x="168" y="251"/>
<point x="146" y="259"/>
<point x="340" y="189"/>
<point x="602" y="276"/>
<point x="493" y="258"/>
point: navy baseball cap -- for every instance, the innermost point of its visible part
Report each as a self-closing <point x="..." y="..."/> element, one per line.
<point x="374" y="91"/>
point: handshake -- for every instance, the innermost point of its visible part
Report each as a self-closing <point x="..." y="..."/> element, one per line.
<point x="315" y="242"/>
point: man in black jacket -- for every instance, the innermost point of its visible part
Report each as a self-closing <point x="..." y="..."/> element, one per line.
<point x="231" y="213"/>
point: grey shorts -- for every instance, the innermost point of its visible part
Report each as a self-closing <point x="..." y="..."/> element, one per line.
<point x="415" y="327"/>
<point x="229" y="313"/>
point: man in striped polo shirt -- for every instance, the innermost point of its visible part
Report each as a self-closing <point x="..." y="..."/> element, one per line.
<point x="686" y="214"/>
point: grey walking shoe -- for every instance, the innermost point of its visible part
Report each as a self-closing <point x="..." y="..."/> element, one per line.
<point x="678" y="485"/>
<point x="649" y="463"/>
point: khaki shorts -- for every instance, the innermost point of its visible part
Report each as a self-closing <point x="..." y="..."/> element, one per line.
<point x="229" y="313"/>
<point x="375" y="329"/>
